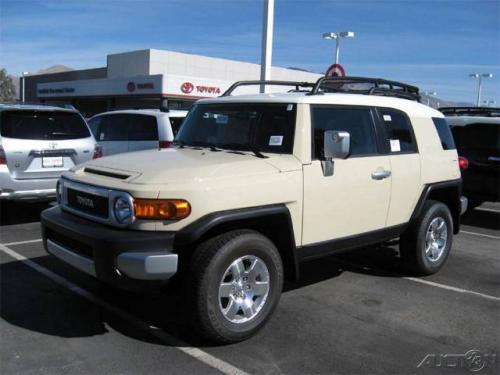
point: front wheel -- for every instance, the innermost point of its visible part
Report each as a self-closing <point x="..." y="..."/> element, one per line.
<point x="237" y="282"/>
<point x="426" y="243"/>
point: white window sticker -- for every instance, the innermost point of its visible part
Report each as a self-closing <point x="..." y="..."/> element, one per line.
<point x="395" y="146"/>
<point x="275" y="140"/>
<point x="221" y="119"/>
<point x="387" y="118"/>
<point x="289" y="107"/>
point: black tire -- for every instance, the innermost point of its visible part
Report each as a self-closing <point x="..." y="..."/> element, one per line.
<point x="210" y="263"/>
<point x="413" y="241"/>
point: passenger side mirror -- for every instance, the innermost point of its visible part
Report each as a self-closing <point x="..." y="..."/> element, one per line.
<point x="337" y="145"/>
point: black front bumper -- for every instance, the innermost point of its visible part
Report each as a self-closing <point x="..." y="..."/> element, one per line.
<point x="127" y="259"/>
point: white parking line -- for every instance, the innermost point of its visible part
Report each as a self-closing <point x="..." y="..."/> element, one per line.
<point x="455" y="289"/>
<point x="196" y="353"/>
<point x="22" y="242"/>
<point x="480" y="234"/>
<point x="427" y="282"/>
<point x="488" y="209"/>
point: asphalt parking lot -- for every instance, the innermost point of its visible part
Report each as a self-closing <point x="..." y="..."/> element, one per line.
<point x="351" y="314"/>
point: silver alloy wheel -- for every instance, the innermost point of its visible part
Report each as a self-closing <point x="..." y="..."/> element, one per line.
<point x="243" y="289"/>
<point x="436" y="238"/>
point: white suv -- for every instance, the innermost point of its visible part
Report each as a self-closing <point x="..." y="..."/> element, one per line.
<point x="135" y="129"/>
<point x="258" y="184"/>
<point x="37" y="144"/>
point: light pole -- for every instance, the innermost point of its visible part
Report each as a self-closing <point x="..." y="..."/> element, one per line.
<point x="479" y="77"/>
<point x="267" y="43"/>
<point x="429" y="94"/>
<point x="337" y="35"/>
<point x="23" y="85"/>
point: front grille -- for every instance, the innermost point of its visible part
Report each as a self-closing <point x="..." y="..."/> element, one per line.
<point x="70" y="244"/>
<point x="91" y="204"/>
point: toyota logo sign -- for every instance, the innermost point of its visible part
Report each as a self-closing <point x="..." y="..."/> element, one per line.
<point x="187" y="87"/>
<point x="131" y="86"/>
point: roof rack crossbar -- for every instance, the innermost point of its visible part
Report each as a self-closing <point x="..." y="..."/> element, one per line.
<point x="397" y="89"/>
<point x="295" y="84"/>
<point x="472" y="111"/>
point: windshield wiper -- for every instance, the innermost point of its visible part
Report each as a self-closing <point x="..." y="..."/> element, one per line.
<point x="257" y="153"/>
<point x="181" y="144"/>
<point x="212" y="147"/>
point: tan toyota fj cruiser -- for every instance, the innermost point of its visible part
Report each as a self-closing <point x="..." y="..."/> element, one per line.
<point x="257" y="184"/>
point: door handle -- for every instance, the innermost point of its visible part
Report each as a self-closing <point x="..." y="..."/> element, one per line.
<point x="381" y="174"/>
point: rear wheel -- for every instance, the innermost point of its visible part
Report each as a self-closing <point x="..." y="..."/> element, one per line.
<point x="237" y="279"/>
<point x="426" y="244"/>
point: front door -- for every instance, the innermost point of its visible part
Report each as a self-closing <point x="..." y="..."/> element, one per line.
<point x="355" y="199"/>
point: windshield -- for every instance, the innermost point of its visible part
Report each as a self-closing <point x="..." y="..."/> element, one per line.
<point x="42" y="125"/>
<point x="240" y="126"/>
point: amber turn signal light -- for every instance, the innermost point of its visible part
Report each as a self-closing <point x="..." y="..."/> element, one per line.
<point x="161" y="209"/>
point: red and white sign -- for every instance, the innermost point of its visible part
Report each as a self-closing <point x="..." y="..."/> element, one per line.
<point x="335" y="70"/>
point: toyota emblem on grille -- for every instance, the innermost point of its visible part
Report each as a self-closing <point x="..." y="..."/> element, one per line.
<point x="87" y="202"/>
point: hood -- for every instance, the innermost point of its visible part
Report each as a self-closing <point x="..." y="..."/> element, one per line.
<point x="177" y="165"/>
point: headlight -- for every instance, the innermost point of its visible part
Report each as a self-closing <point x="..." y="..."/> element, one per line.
<point x="161" y="209"/>
<point x="122" y="210"/>
<point x="59" y="191"/>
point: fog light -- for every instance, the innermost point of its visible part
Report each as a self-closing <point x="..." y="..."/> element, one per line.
<point x="122" y="210"/>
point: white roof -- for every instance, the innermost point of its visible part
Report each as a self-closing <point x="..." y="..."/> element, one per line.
<point x="411" y="107"/>
<point x="151" y="112"/>
<point x="32" y="107"/>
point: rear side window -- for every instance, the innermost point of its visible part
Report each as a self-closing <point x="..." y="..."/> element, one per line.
<point x="398" y="129"/>
<point x="125" y="127"/>
<point x="142" y="128"/>
<point x="357" y="121"/>
<point x="444" y="132"/>
<point x="42" y="125"/>
<point x="478" y="137"/>
<point x="113" y="128"/>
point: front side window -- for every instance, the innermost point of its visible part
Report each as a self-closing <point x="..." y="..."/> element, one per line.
<point x="240" y="126"/>
<point x="42" y="125"/>
<point x="398" y="129"/>
<point x="358" y="122"/>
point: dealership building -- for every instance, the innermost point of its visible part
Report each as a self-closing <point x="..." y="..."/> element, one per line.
<point x="143" y="79"/>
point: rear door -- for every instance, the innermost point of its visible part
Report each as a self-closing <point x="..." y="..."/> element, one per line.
<point x="42" y="143"/>
<point x="142" y="132"/>
<point x="401" y="146"/>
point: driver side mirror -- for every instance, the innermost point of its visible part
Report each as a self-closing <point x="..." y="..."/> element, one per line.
<point x="337" y="145"/>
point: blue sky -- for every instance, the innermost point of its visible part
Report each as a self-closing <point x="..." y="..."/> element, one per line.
<point x="434" y="44"/>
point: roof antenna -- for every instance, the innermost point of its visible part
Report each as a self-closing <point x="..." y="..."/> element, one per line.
<point x="164" y="105"/>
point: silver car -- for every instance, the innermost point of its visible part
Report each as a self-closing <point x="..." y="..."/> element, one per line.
<point x="135" y="129"/>
<point x="37" y="143"/>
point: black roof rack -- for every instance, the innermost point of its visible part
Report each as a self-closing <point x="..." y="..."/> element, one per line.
<point x="367" y="86"/>
<point x="295" y="84"/>
<point x="471" y="111"/>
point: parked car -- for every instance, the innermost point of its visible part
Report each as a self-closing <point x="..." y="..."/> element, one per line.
<point x="37" y="144"/>
<point x="477" y="135"/>
<point x="257" y="184"/>
<point x="135" y="129"/>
